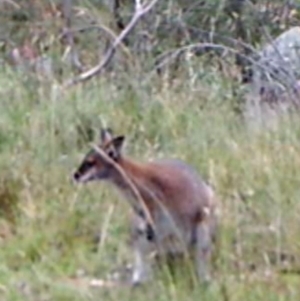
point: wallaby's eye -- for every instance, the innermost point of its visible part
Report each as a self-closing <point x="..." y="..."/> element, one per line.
<point x="111" y="154"/>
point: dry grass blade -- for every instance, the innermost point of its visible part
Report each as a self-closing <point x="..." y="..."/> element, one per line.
<point x="130" y="184"/>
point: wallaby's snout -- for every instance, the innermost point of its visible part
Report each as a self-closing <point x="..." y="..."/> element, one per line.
<point x="94" y="166"/>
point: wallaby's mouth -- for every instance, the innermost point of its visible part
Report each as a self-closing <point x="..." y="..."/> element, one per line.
<point x="88" y="176"/>
<point x="79" y="178"/>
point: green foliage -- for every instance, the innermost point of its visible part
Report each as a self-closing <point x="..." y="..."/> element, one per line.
<point x="55" y="235"/>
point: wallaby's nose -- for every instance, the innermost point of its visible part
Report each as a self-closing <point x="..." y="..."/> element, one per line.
<point x="76" y="176"/>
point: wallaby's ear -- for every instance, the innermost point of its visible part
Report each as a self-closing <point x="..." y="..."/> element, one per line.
<point x="118" y="142"/>
<point x="106" y="135"/>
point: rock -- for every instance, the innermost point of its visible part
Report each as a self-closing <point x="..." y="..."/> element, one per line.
<point x="275" y="85"/>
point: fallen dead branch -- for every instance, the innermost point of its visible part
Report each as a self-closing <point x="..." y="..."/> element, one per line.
<point x="140" y="11"/>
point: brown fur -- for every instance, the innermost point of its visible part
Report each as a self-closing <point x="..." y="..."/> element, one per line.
<point x="182" y="206"/>
<point x="168" y="186"/>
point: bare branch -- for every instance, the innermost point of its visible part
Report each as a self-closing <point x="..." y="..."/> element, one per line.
<point x="110" y="33"/>
<point x="139" y="13"/>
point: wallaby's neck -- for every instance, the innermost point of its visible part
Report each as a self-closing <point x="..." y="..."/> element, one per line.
<point x="133" y="170"/>
<point x="136" y="173"/>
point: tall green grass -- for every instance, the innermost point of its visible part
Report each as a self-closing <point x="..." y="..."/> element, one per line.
<point x="52" y="237"/>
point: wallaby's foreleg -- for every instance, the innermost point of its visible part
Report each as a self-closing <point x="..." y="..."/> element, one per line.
<point x="142" y="244"/>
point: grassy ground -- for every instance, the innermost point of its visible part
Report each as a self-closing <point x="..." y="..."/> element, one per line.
<point x="48" y="226"/>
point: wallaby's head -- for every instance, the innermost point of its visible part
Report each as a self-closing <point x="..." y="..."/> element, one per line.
<point x="94" y="166"/>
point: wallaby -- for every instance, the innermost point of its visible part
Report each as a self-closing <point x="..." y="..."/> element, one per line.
<point x="182" y="207"/>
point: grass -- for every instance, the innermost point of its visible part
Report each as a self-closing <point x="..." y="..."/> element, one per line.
<point x="49" y="226"/>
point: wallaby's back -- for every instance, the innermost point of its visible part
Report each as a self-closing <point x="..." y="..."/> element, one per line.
<point x="173" y="183"/>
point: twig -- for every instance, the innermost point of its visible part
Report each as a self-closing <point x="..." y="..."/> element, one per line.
<point x="130" y="184"/>
<point x="233" y="41"/>
<point x="139" y="13"/>
<point x="71" y="50"/>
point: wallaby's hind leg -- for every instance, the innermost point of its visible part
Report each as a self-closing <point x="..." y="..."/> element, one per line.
<point x="203" y="251"/>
